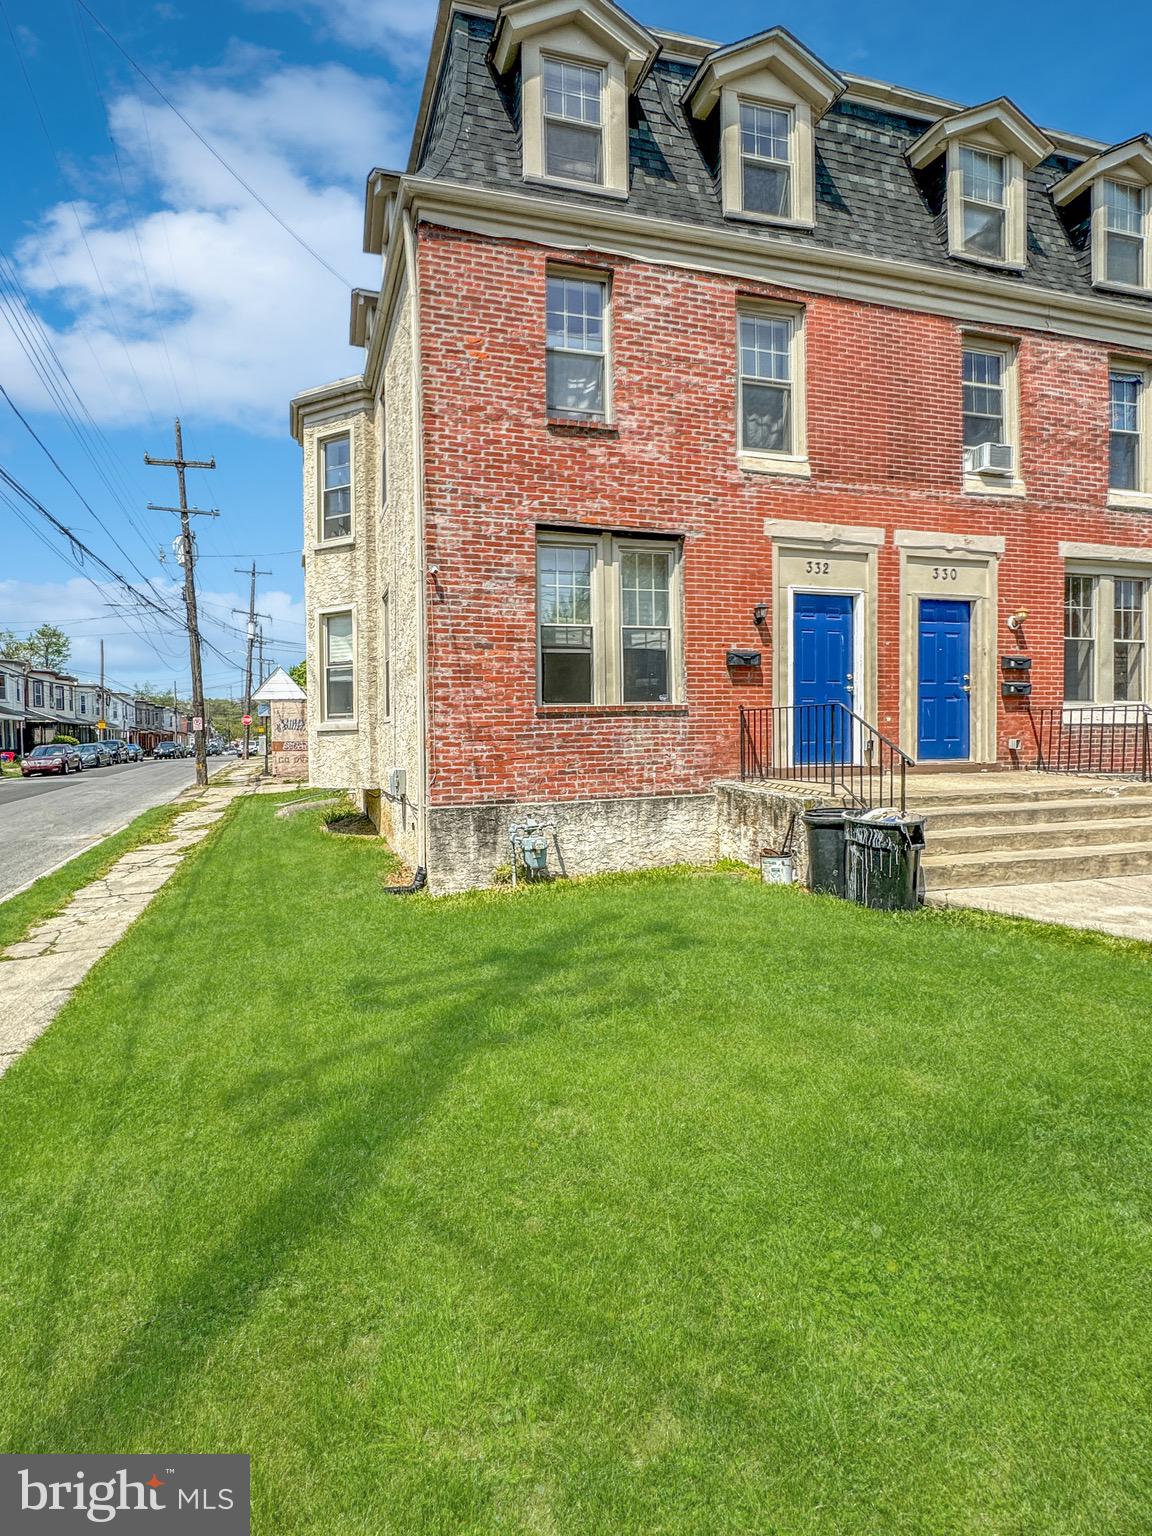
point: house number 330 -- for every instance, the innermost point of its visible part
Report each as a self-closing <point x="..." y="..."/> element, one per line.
<point x="945" y="573"/>
<point x="816" y="567"/>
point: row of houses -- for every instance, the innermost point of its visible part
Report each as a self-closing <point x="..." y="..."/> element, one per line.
<point x="38" y="703"/>
<point x="701" y="376"/>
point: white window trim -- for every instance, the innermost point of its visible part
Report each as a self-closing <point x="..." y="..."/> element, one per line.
<point x="757" y="91"/>
<point x="607" y="616"/>
<point x="1141" y="498"/>
<point x="340" y="723"/>
<point x="1100" y="277"/>
<point x="1008" y="351"/>
<point x="572" y="45"/>
<point x="1015" y="204"/>
<point x="756" y="460"/>
<point x="1104" y="575"/>
<point x="330" y="434"/>
<point x="584" y="275"/>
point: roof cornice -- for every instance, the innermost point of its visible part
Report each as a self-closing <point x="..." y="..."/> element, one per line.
<point x="973" y="298"/>
<point x="342" y="395"/>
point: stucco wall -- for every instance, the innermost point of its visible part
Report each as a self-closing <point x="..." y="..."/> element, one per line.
<point x="341" y="575"/>
<point x="467" y="844"/>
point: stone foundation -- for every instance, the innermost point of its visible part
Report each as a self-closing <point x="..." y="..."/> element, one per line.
<point x="753" y="817"/>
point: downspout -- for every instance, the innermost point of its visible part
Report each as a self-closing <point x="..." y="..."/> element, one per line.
<point x="418" y="498"/>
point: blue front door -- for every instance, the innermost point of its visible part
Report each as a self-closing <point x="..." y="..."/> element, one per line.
<point x="822" y="651"/>
<point x="944" y="698"/>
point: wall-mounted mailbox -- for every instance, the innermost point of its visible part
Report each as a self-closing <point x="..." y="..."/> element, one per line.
<point x="1016" y="690"/>
<point x="743" y="658"/>
<point x="1016" y="663"/>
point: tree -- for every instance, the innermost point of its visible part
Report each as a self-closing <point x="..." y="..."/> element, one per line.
<point x="44" y="647"/>
<point x="299" y="675"/>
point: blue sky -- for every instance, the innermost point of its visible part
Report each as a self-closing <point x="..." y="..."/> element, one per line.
<point x="164" y="289"/>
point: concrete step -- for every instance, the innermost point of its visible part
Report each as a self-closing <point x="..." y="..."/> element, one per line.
<point x="1086" y="834"/>
<point x="1021" y="813"/>
<point x="1016" y="789"/>
<point x="947" y="871"/>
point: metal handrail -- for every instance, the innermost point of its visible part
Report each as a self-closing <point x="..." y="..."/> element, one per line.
<point x="1094" y="738"/>
<point x="827" y="744"/>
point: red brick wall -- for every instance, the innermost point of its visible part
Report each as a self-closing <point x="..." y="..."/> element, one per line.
<point x="884" y="440"/>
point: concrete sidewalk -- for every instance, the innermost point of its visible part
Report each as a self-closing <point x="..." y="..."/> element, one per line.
<point x="1120" y="905"/>
<point x="40" y="973"/>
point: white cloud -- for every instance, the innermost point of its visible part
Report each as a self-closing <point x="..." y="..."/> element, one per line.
<point x="141" y="650"/>
<point x="248" y="316"/>
<point x="398" y="28"/>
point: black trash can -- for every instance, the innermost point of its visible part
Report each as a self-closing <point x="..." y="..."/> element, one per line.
<point x="824" y="828"/>
<point x="882" y="860"/>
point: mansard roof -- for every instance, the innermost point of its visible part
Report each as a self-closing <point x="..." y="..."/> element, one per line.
<point x="870" y="201"/>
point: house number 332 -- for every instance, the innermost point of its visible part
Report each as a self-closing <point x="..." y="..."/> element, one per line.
<point x="816" y="567"/>
<point x="945" y="573"/>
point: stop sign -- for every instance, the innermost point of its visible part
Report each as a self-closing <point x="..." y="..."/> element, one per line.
<point x="245" y="719"/>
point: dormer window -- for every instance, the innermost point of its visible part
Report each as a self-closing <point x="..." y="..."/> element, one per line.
<point x="1112" y="194"/>
<point x="987" y="153"/>
<point x="984" y="184"/>
<point x="580" y="60"/>
<point x="770" y="92"/>
<point x="1124" y="234"/>
<point x="766" y="159"/>
<point x="573" y="121"/>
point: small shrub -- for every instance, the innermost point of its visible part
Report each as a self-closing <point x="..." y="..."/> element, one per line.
<point x="65" y="741"/>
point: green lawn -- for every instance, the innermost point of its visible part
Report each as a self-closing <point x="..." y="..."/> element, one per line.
<point x="669" y="1204"/>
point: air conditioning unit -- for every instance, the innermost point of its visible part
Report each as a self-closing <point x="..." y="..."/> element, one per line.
<point x="990" y="459"/>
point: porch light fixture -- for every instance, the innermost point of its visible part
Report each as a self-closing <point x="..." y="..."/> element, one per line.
<point x="760" y="614"/>
<point x="1015" y="620"/>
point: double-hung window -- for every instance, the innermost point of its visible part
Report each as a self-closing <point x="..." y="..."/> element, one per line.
<point x="573" y="121"/>
<point x="990" y="418"/>
<point x="37" y="695"/>
<point x="607" y="619"/>
<point x="1125" y="390"/>
<point x="1079" y="638"/>
<point x="577" y="348"/>
<point x="1128" y="605"/>
<point x="984" y="188"/>
<point x="337" y="639"/>
<point x="336" y="480"/>
<point x="766" y="159"/>
<point x="1124" y="234"/>
<point x="3" y="685"/>
<point x="766" y="384"/>
<point x="984" y="415"/>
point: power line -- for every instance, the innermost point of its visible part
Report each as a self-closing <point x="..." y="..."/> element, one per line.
<point x="215" y="153"/>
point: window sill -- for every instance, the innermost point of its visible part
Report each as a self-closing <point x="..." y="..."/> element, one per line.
<point x="605" y="711"/>
<point x="597" y="189"/>
<point x="347" y="543"/>
<point x="1133" y="289"/>
<point x="793" y="464"/>
<point x="994" y="485"/>
<point x="1130" y="501"/>
<point x="337" y="728"/>
<point x="990" y="263"/>
<point x="566" y="426"/>
<point x="767" y="220"/>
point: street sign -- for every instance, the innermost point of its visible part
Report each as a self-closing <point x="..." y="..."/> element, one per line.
<point x="263" y="710"/>
<point x="197" y="722"/>
<point x="245" y="719"/>
<point x="101" y="725"/>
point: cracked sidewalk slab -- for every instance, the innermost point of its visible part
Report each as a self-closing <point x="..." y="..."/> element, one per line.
<point x="39" y="973"/>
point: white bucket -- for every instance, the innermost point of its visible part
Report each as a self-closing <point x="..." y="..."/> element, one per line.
<point x="777" y="868"/>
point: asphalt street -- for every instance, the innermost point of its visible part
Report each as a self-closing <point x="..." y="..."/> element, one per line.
<point x="44" y="821"/>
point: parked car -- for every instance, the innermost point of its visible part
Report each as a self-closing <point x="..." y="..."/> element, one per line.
<point x="118" y="749"/>
<point x="167" y="749"/>
<point x="135" y="751"/>
<point x="213" y="749"/>
<point x="95" y="754"/>
<point x="57" y="757"/>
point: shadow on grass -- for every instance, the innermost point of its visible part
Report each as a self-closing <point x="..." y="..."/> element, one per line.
<point x="366" y="1122"/>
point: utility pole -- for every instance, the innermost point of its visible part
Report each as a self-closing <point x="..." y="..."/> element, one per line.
<point x="251" y="616"/>
<point x="180" y="464"/>
<point x="101" y="718"/>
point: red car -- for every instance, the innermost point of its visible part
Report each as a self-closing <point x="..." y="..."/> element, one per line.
<point x="56" y="758"/>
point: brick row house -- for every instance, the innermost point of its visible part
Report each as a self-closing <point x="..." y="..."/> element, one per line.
<point x="705" y="376"/>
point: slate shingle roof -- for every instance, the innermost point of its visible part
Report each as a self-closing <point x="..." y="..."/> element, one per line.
<point x="868" y="199"/>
